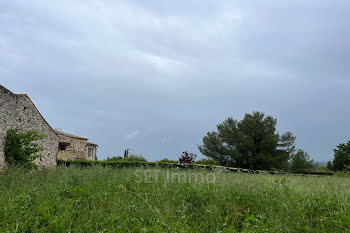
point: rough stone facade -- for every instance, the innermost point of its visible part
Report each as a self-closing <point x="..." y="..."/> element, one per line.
<point x="74" y="147"/>
<point x="19" y="112"/>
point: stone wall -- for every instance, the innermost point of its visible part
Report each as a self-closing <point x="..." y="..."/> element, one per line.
<point x="66" y="155"/>
<point x="19" y="112"/>
<point x="77" y="147"/>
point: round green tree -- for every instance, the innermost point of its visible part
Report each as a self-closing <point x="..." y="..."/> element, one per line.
<point x="250" y="143"/>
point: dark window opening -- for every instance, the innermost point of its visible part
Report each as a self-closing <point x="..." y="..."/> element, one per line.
<point x="62" y="145"/>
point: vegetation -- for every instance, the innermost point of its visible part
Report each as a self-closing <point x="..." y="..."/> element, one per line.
<point x="115" y="158"/>
<point x="136" y="158"/>
<point x="130" y="194"/>
<point x="101" y="199"/>
<point x="180" y="166"/>
<point x="204" y="161"/>
<point x="130" y="158"/>
<point x="187" y="157"/>
<point x="341" y="157"/>
<point x="251" y="143"/>
<point x="166" y="160"/>
<point x="207" y="161"/>
<point x="21" y="149"/>
<point x="300" y="161"/>
<point x="330" y="166"/>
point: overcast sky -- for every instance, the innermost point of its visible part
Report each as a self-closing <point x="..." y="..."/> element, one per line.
<point x="156" y="76"/>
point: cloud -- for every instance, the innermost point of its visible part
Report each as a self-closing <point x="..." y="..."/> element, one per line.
<point x="132" y="134"/>
<point x="102" y="68"/>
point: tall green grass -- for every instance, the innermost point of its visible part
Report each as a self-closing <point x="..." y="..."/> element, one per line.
<point x="101" y="199"/>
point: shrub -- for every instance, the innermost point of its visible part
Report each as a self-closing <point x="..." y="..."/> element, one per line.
<point x="21" y="149"/>
<point x="207" y="162"/>
<point x="135" y="158"/>
<point x="129" y="158"/>
<point x="300" y="161"/>
<point x="341" y="157"/>
<point x="187" y="157"/>
<point x="166" y="160"/>
<point x="115" y="158"/>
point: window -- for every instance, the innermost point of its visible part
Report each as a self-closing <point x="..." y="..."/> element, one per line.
<point x="63" y="145"/>
<point x="90" y="152"/>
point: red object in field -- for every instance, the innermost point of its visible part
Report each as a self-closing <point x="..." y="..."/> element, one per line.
<point x="187" y="157"/>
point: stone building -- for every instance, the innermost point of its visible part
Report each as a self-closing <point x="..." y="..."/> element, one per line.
<point x="17" y="111"/>
<point x="74" y="147"/>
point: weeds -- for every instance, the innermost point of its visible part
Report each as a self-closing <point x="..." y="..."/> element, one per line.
<point x="98" y="199"/>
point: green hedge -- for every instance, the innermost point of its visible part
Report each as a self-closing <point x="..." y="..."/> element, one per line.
<point x="119" y="164"/>
<point x="321" y="173"/>
<point x="125" y="164"/>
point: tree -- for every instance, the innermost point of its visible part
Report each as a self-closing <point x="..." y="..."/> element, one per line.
<point x="126" y="153"/>
<point x="187" y="157"/>
<point x="300" y="161"/>
<point x="250" y="143"/>
<point x="341" y="157"/>
<point x="21" y="149"/>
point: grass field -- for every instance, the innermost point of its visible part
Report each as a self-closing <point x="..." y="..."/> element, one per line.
<point x="137" y="200"/>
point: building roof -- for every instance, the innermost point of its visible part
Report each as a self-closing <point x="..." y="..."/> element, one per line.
<point x="69" y="135"/>
<point x="26" y="96"/>
<point x="7" y="90"/>
<point x="57" y="132"/>
<point x="74" y="136"/>
<point x="90" y="143"/>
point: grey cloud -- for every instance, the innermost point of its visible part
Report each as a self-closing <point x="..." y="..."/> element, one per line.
<point x="103" y="69"/>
